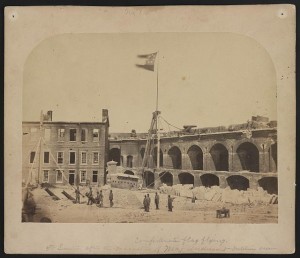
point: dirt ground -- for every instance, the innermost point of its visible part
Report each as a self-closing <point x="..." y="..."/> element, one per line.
<point x="128" y="208"/>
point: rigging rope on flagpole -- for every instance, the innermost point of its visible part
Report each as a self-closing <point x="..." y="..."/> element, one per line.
<point x="170" y="123"/>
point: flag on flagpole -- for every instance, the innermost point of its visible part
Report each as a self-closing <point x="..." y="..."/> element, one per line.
<point x="150" y="60"/>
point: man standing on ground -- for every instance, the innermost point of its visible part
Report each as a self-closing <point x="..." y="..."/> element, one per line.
<point x="156" y="200"/>
<point x="90" y="196"/>
<point x="111" y="197"/>
<point x="145" y="203"/>
<point x="170" y="203"/>
<point x="77" y="192"/>
<point x="97" y="199"/>
<point x="101" y="199"/>
<point x="148" y="202"/>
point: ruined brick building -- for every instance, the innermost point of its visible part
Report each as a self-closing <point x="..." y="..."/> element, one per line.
<point x="65" y="152"/>
<point x="239" y="156"/>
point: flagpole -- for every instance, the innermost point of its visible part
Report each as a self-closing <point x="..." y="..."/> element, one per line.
<point x="157" y="82"/>
<point x="157" y="117"/>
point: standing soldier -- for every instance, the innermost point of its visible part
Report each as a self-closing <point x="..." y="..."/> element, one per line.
<point x="170" y="203"/>
<point x="156" y="200"/>
<point x="145" y="203"/>
<point x="111" y="197"/>
<point x="101" y="199"/>
<point x="77" y="192"/>
<point x="148" y="202"/>
<point x="90" y="197"/>
<point x="97" y="199"/>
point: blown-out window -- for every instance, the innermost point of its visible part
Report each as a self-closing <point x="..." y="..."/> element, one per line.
<point x="72" y="135"/>
<point x="95" y="135"/>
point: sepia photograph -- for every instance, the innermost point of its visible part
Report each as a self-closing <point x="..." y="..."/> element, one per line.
<point x="150" y="130"/>
<point x="159" y="137"/>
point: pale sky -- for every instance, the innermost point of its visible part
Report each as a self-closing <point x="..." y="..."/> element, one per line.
<point x="205" y="79"/>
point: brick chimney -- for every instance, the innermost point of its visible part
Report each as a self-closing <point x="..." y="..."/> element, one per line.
<point x="104" y="115"/>
<point x="49" y="115"/>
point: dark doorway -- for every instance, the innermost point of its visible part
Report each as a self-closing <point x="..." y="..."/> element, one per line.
<point x="129" y="161"/>
<point x="238" y="182"/>
<point x="270" y="184"/>
<point x="219" y="154"/>
<point x="249" y="156"/>
<point x="149" y="179"/>
<point x="115" y="155"/>
<point x="154" y="154"/>
<point x="196" y="157"/>
<point x="128" y="172"/>
<point x="209" y="180"/>
<point x="71" y="178"/>
<point x="166" y="178"/>
<point x="175" y="155"/>
<point x="186" y="178"/>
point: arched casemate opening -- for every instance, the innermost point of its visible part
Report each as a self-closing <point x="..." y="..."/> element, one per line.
<point x="129" y="172"/>
<point x="166" y="178"/>
<point x="154" y="155"/>
<point x="238" y="182"/>
<point x="196" y="157"/>
<point x="209" y="180"/>
<point x="175" y="155"/>
<point x="270" y="184"/>
<point x="148" y="179"/>
<point x="249" y="156"/>
<point x="219" y="155"/>
<point x="186" y="178"/>
<point x="273" y="157"/>
<point x="115" y="155"/>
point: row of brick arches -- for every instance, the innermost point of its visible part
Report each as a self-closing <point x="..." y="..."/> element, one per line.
<point x="270" y="184"/>
<point x="247" y="152"/>
<point x="248" y="156"/>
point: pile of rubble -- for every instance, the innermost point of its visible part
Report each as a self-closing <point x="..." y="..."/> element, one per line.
<point x="217" y="194"/>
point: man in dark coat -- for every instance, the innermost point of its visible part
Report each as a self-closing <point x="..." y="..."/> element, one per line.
<point x="148" y="202"/>
<point x="77" y="192"/>
<point x="97" y="199"/>
<point x="156" y="200"/>
<point x="170" y="203"/>
<point x="145" y="202"/>
<point x="101" y="199"/>
<point x="111" y="197"/>
<point x="90" y="197"/>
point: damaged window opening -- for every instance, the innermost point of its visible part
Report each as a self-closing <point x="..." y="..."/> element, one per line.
<point x="95" y="135"/>
<point x="72" y="135"/>
<point x="83" y="176"/>
<point x="46" y="157"/>
<point x="60" y="157"/>
<point x="46" y="176"/>
<point x="83" y="157"/>
<point x="72" y="157"/>
<point x="83" y="135"/>
<point x="61" y="134"/>
<point x="59" y="176"/>
<point x="95" y="157"/>
<point x="95" y="176"/>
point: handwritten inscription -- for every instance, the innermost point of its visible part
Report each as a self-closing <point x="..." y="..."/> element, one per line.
<point x="185" y="244"/>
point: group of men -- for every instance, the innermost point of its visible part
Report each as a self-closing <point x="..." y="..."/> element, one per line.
<point x="98" y="200"/>
<point x="147" y="201"/>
